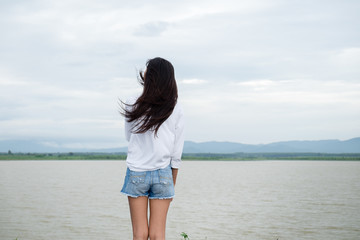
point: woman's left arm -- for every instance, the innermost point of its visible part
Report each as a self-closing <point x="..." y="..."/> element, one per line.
<point x="179" y="141"/>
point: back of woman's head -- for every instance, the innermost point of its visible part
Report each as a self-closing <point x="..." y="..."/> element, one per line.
<point x="158" y="99"/>
<point x="159" y="82"/>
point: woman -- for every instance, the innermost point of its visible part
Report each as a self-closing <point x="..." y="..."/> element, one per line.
<point x="154" y="127"/>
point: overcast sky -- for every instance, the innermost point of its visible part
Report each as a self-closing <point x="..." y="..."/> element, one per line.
<point x="247" y="71"/>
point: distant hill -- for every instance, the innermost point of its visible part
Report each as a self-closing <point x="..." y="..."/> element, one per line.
<point x="24" y="146"/>
<point x="321" y="146"/>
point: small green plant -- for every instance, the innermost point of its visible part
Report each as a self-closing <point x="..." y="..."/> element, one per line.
<point x="185" y="236"/>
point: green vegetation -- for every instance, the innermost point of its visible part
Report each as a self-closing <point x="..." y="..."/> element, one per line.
<point x="185" y="236"/>
<point x="63" y="156"/>
<point x="186" y="156"/>
<point x="272" y="156"/>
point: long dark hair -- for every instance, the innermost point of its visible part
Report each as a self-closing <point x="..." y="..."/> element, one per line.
<point x="158" y="99"/>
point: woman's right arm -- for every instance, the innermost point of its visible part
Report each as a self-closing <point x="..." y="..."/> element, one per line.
<point x="128" y="125"/>
<point x="127" y="130"/>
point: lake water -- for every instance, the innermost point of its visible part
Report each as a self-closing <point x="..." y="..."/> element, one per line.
<point x="61" y="200"/>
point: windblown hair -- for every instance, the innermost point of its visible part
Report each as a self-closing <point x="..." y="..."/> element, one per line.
<point x="158" y="99"/>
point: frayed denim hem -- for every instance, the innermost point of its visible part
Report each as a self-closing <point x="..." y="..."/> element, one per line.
<point x="162" y="197"/>
<point x="133" y="196"/>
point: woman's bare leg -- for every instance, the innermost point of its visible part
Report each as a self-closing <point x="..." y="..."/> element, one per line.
<point x="138" y="212"/>
<point x="158" y="213"/>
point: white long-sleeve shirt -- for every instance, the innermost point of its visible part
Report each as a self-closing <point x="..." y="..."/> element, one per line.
<point x="147" y="152"/>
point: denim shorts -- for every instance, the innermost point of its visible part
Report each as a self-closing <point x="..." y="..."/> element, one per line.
<point x="157" y="184"/>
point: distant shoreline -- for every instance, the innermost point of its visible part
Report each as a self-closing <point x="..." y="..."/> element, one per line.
<point x="189" y="156"/>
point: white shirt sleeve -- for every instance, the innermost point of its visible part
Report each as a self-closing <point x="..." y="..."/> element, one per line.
<point x="128" y="125"/>
<point x="179" y="141"/>
<point x="127" y="130"/>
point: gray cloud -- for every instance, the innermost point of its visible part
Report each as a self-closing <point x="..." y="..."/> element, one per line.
<point x="249" y="71"/>
<point x="151" y="29"/>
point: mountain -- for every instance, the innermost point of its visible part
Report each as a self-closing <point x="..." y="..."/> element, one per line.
<point x="321" y="146"/>
<point x="27" y="146"/>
